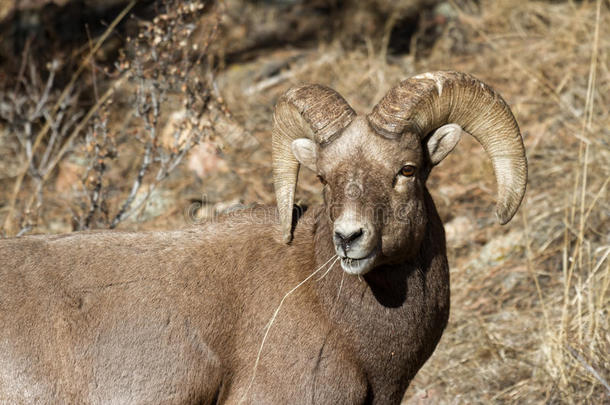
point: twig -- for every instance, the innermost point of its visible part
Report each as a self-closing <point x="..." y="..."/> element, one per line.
<point x="8" y="223"/>
<point x="588" y="367"/>
<point x="275" y="80"/>
<point x="77" y="130"/>
<point x="121" y="215"/>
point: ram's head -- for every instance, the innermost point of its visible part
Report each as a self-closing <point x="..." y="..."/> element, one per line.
<point x="374" y="167"/>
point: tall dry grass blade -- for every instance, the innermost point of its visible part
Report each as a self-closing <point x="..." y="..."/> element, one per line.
<point x="530" y="267"/>
<point x="270" y="323"/>
<point x="588" y="367"/>
<point x="576" y="255"/>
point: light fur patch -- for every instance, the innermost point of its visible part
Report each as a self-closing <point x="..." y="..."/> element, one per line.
<point x="14" y="377"/>
<point x="401" y="185"/>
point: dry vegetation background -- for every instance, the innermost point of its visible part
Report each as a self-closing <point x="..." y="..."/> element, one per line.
<point x="158" y="114"/>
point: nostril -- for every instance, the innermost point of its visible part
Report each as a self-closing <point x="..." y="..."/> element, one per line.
<point x="346" y="239"/>
<point x="354" y="236"/>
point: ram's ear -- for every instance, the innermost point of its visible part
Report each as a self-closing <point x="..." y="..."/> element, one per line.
<point x="442" y="141"/>
<point x="306" y="152"/>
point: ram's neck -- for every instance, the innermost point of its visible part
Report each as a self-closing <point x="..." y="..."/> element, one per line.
<point x="393" y="317"/>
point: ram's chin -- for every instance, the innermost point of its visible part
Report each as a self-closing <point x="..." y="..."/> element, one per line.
<point x="358" y="267"/>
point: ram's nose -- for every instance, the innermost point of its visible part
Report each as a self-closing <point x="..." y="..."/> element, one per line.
<point x="346" y="238"/>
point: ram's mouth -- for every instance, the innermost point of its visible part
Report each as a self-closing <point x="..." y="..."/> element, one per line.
<point x="359" y="266"/>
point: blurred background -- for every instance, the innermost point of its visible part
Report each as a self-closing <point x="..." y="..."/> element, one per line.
<point x="157" y="115"/>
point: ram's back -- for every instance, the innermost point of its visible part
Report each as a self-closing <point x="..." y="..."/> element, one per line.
<point x="126" y="317"/>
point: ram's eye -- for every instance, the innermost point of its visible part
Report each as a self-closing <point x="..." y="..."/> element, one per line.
<point x="408" y="170"/>
<point x="322" y="180"/>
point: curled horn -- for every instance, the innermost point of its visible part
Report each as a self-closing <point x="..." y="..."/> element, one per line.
<point x="425" y="102"/>
<point x="311" y="111"/>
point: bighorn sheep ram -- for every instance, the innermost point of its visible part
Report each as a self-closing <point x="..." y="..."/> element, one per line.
<point x="180" y="317"/>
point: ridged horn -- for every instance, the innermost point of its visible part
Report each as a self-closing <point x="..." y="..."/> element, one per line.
<point x="425" y="102"/>
<point x="311" y="111"/>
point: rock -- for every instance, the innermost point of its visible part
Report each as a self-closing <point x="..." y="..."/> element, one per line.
<point x="498" y="250"/>
<point x="69" y="174"/>
<point x="458" y="231"/>
<point x="158" y="203"/>
<point x="205" y="159"/>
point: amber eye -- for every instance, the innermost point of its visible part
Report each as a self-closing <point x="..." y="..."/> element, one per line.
<point x="407" y="171"/>
<point x="322" y="179"/>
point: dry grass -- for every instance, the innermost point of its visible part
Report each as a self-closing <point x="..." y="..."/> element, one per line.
<point x="530" y="301"/>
